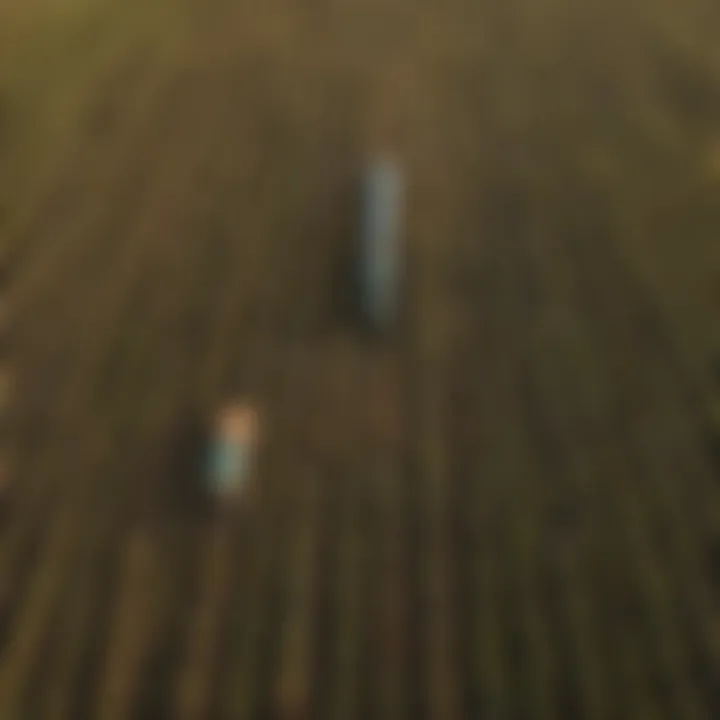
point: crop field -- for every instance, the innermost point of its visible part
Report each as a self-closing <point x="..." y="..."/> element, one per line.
<point x="509" y="508"/>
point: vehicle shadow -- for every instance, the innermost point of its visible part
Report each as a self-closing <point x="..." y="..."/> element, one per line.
<point x="344" y="309"/>
<point x="181" y="491"/>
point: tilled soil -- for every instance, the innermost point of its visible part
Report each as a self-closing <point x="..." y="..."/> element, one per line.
<point x="506" y="508"/>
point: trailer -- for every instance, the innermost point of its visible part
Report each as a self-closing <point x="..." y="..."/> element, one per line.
<point x="381" y="248"/>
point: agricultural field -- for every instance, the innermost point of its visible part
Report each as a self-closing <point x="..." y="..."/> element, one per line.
<point x="509" y="508"/>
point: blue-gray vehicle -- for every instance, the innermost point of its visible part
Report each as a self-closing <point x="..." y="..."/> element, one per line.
<point x="381" y="247"/>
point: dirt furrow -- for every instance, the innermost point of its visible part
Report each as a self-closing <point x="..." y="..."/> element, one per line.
<point x="388" y="464"/>
<point x="536" y="588"/>
<point x="292" y="693"/>
<point x="122" y="172"/>
<point x="30" y="623"/>
<point x="73" y="172"/>
<point x="342" y="582"/>
<point x="430" y="412"/>
<point x="171" y="310"/>
<point x="48" y="369"/>
<point x="276" y="365"/>
<point x="636" y="396"/>
<point x="213" y="553"/>
<point x="562" y="415"/>
<point x="113" y="474"/>
<point x="137" y="609"/>
<point x="196" y="674"/>
<point x="33" y="504"/>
